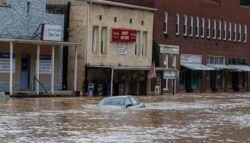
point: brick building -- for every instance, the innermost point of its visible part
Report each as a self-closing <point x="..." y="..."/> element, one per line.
<point x="212" y="36"/>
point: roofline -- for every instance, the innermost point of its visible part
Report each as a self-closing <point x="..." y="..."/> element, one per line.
<point x="121" y="5"/>
<point x="37" y="42"/>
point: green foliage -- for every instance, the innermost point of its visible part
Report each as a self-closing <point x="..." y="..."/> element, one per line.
<point x="245" y="2"/>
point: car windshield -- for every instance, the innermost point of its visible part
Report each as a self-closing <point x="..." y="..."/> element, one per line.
<point x="113" y="102"/>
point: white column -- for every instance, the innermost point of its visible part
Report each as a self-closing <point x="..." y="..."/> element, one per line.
<point x="75" y="69"/>
<point x="11" y="69"/>
<point x="175" y="59"/>
<point x="53" y="71"/>
<point x="166" y="60"/>
<point x="111" y="82"/>
<point x="37" y="68"/>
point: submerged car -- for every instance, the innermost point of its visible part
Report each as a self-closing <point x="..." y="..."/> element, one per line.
<point x="121" y="102"/>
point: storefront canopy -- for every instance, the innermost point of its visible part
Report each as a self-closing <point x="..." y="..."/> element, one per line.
<point x="193" y="66"/>
<point x="221" y="67"/>
<point x="241" y="67"/>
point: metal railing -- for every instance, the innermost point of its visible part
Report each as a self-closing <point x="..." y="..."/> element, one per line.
<point x="46" y="91"/>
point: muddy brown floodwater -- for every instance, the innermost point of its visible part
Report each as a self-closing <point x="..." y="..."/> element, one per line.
<point x="183" y="118"/>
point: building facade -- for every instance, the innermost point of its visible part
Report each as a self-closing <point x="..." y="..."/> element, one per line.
<point x="116" y="51"/>
<point x="22" y="49"/>
<point x="213" y="43"/>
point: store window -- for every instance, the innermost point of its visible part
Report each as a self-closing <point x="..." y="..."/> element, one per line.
<point x="216" y="60"/>
<point x="5" y="63"/>
<point x="208" y="28"/>
<point x="185" y="26"/>
<point x="202" y="27"/>
<point x="45" y="64"/>
<point x="197" y="27"/>
<point x="191" y="27"/>
<point x="165" y="26"/>
<point x="177" y="28"/>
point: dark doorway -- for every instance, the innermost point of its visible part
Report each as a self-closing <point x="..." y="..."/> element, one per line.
<point x="25" y="72"/>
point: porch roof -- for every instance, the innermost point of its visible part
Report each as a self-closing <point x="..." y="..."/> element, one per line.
<point x="132" y="68"/>
<point x="40" y="42"/>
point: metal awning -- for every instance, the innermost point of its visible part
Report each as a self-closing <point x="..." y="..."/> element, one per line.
<point x="131" y="68"/>
<point x="221" y="67"/>
<point x="241" y="67"/>
<point x="197" y="67"/>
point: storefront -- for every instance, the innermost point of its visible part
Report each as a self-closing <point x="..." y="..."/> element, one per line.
<point x="191" y="72"/>
<point x="31" y="65"/>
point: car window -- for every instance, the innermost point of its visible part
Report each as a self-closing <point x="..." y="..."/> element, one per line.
<point x="134" y="101"/>
<point x="128" y="101"/>
<point x="113" y="101"/>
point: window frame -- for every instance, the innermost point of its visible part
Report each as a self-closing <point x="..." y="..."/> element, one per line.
<point x="165" y="28"/>
<point x="197" y="26"/>
<point x="208" y="28"/>
<point x="177" y="28"/>
<point x="202" y="27"/>
<point x="191" y="27"/>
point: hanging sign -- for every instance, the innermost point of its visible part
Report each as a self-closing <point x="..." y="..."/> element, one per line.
<point x="123" y="35"/>
<point x="51" y="32"/>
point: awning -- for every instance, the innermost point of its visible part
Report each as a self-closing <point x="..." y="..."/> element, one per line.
<point x="241" y="67"/>
<point x="197" y="67"/>
<point x="221" y="67"/>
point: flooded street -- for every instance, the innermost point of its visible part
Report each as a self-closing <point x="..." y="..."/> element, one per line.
<point x="183" y="118"/>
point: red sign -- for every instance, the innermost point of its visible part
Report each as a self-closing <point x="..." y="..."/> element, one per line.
<point x="123" y="35"/>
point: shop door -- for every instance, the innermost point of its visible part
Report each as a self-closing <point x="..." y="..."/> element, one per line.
<point x="25" y="72"/>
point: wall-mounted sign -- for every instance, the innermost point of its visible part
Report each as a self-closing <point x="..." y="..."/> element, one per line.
<point x="169" y="49"/>
<point x="122" y="48"/>
<point x="170" y="74"/>
<point x="187" y="58"/>
<point x="51" y="32"/>
<point x="123" y="35"/>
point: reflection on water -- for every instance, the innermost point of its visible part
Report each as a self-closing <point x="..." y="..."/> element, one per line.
<point x="224" y="118"/>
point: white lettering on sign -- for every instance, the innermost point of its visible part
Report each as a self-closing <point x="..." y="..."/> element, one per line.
<point x="187" y="58"/>
<point x="52" y="32"/>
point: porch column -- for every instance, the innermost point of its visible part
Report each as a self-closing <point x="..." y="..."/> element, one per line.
<point x="75" y="68"/>
<point x="175" y="67"/>
<point x="11" y="69"/>
<point x="37" y="69"/>
<point x="111" y="82"/>
<point x="53" y="71"/>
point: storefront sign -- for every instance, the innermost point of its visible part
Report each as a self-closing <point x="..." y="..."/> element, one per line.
<point x="169" y="49"/>
<point x="122" y="48"/>
<point x="51" y="32"/>
<point x="123" y="35"/>
<point x="170" y="74"/>
<point x="187" y="58"/>
<point x="45" y="64"/>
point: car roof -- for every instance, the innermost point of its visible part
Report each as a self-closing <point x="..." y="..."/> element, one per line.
<point x="123" y="96"/>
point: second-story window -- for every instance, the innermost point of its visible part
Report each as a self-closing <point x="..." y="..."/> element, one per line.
<point x="138" y="43"/>
<point x="103" y="40"/>
<point x="202" y="27"/>
<point x="225" y="31"/>
<point x="239" y="33"/>
<point x="197" y="26"/>
<point x="185" y="26"/>
<point x="214" y="29"/>
<point x="177" y="28"/>
<point x="229" y="31"/>
<point x="165" y="26"/>
<point x="245" y="33"/>
<point x="208" y="28"/>
<point x="144" y="43"/>
<point x="235" y="32"/>
<point x="219" y="30"/>
<point x="191" y="27"/>
<point x="94" y="39"/>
